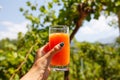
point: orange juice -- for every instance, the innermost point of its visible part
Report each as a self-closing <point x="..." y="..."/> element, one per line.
<point x="62" y="58"/>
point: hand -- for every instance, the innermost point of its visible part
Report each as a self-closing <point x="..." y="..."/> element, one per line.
<point x="40" y="69"/>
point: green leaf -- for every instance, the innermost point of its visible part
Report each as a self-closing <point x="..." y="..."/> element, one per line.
<point x="96" y="16"/>
<point x="28" y="3"/>
<point x="33" y="7"/>
<point x="42" y="9"/>
<point x="31" y="58"/>
<point x="16" y="77"/>
<point x="55" y="1"/>
<point x="35" y="20"/>
<point x="21" y="9"/>
<point x="89" y="18"/>
<point x="50" y="5"/>
<point x="2" y="58"/>
<point x="11" y="70"/>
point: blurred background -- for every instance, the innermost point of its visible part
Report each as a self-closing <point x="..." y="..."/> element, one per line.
<point x="94" y="34"/>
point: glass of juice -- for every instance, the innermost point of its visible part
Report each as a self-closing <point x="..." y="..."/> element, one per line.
<point x="60" y="60"/>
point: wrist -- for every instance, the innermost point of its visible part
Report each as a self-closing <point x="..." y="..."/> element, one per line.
<point x="34" y="74"/>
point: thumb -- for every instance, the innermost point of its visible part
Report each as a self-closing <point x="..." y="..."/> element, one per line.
<point x="55" y="49"/>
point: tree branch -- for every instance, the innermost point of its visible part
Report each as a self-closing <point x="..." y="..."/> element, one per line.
<point x="83" y="11"/>
<point x="78" y="25"/>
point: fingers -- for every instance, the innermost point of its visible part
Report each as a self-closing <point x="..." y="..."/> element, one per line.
<point x="54" y="50"/>
<point x="43" y="50"/>
<point x="46" y="48"/>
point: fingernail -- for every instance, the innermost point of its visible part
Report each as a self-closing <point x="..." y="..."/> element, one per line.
<point x="61" y="44"/>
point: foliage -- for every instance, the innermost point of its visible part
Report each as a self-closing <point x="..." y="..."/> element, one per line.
<point x="66" y="11"/>
<point x="95" y="62"/>
<point x="13" y="53"/>
<point x="88" y="61"/>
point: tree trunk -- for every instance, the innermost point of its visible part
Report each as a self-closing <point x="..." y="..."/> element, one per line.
<point x="83" y="10"/>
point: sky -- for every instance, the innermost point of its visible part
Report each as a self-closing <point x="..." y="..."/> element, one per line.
<point x="12" y="21"/>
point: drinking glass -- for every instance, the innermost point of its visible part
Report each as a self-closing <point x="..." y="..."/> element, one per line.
<point x="60" y="60"/>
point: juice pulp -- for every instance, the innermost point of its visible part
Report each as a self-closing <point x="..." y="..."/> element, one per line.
<point x="62" y="58"/>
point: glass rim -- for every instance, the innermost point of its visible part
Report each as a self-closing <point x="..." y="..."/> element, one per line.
<point x="59" y="29"/>
<point x="59" y="26"/>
